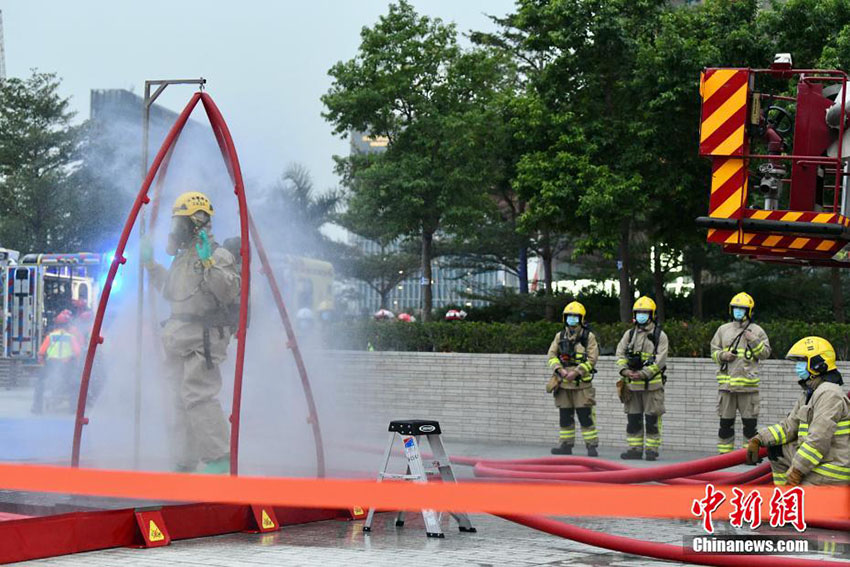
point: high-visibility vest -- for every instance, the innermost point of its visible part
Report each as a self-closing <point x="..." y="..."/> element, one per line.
<point x="60" y="347"/>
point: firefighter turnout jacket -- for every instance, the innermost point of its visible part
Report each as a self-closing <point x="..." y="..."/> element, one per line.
<point x="740" y="374"/>
<point x="819" y="427"/>
<point x="575" y="349"/>
<point x="643" y="348"/>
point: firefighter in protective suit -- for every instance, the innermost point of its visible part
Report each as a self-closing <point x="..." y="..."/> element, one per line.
<point x="737" y="347"/>
<point x="572" y="359"/>
<point x="812" y="444"/>
<point x="201" y="286"/>
<point x="642" y="358"/>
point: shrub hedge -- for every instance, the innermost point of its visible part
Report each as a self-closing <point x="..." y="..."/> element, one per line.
<point x="687" y="338"/>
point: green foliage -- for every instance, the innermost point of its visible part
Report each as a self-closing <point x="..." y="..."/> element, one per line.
<point x="412" y="83"/>
<point x="687" y="338"/>
<point x="37" y="149"/>
<point x="300" y="213"/>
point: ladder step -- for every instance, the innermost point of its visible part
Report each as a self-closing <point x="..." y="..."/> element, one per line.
<point x="401" y="476"/>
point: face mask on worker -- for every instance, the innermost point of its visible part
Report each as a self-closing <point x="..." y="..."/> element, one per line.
<point x="738" y="313"/>
<point x="572" y="320"/>
<point x="642" y="318"/>
<point x="802" y="370"/>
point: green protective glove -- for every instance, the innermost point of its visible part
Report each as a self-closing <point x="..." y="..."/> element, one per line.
<point x="203" y="248"/>
<point x="146" y="251"/>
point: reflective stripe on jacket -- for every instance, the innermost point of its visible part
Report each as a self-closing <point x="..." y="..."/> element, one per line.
<point x="584" y="368"/>
<point x="651" y="374"/>
<point x="741" y="374"/>
<point x="820" y="430"/>
<point x="59" y="345"/>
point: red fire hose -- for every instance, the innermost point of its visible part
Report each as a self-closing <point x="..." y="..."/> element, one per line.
<point x="658" y="550"/>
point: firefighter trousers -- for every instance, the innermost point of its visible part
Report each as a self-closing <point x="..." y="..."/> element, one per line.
<point x="729" y="404"/>
<point x="201" y="431"/>
<point x="572" y="403"/>
<point x="644" y="407"/>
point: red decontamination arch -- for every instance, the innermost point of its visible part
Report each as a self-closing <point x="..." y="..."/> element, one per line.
<point x="247" y="230"/>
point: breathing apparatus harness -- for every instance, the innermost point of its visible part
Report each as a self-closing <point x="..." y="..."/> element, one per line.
<point x="635" y="359"/>
<point x="567" y="348"/>
<point x="748" y="352"/>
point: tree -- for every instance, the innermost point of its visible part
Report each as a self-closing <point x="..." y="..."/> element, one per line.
<point x="294" y="213"/>
<point x="37" y="149"/>
<point x="412" y="83"/>
<point x="382" y="270"/>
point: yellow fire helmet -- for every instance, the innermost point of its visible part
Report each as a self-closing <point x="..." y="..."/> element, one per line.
<point x="744" y="300"/>
<point x="817" y="352"/>
<point x="190" y="203"/>
<point x="644" y="303"/>
<point x="575" y="308"/>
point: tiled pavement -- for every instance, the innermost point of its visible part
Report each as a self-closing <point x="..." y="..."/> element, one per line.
<point x="326" y="544"/>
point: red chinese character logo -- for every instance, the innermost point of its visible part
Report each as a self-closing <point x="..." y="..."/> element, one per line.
<point x="788" y="508"/>
<point x="705" y="507"/>
<point x="746" y="508"/>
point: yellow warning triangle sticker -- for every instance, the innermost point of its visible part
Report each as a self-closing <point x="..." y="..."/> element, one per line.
<point x="268" y="524"/>
<point x="155" y="534"/>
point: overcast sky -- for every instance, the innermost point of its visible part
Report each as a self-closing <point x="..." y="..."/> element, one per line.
<point x="266" y="62"/>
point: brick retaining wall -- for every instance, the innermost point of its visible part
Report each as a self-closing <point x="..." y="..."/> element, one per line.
<point x="495" y="397"/>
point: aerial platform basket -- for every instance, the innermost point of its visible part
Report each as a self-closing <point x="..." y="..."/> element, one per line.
<point x="791" y="151"/>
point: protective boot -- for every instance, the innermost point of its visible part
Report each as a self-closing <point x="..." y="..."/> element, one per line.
<point x="591" y="451"/>
<point x="562" y="449"/>
<point x="651" y="455"/>
<point x="632" y="454"/>
<point x="219" y="466"/>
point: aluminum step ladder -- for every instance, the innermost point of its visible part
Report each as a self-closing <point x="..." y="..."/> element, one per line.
<point x="410" y="431"/>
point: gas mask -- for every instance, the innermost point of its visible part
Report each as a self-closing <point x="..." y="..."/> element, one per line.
<point x="181" y="233"/>
<point x="184" y="230"/>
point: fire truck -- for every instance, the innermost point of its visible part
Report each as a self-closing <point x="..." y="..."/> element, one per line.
<point x="779" y="148"/>
<point x="35" y="288"/>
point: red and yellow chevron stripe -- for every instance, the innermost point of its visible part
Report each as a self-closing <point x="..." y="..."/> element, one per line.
<point x="728" y="195"/>
<point x="725" y="93"/>
<point x="797" y="216"/>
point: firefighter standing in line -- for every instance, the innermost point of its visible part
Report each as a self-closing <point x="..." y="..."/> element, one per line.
<point x="642" y="356"/>
<point x="58" y="351"/>
<point x="572" y="359"/>
<point x="201" y="286"/>
<point x="737" y="347"/>
<point x="812" y="444"/>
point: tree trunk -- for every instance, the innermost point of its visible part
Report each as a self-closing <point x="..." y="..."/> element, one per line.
<point x="384" y="295"/>
<point x="546" y="256"/>
<point x="547" y="266"/>
<point x="696" y="275"/>
<point x="658" y="285"/>
<point x="837" y="295"/>
<point x="522" y="270"/>
<point x="427" y="296"/>
<point x="624" y="271"/>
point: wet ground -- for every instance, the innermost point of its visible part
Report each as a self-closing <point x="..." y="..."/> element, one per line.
<point x="331" y="543"/>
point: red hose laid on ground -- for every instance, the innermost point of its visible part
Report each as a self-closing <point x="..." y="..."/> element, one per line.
<point x="659" y="473"/>
<point x="659" y="550"/>
<point x="585" y="464"/>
